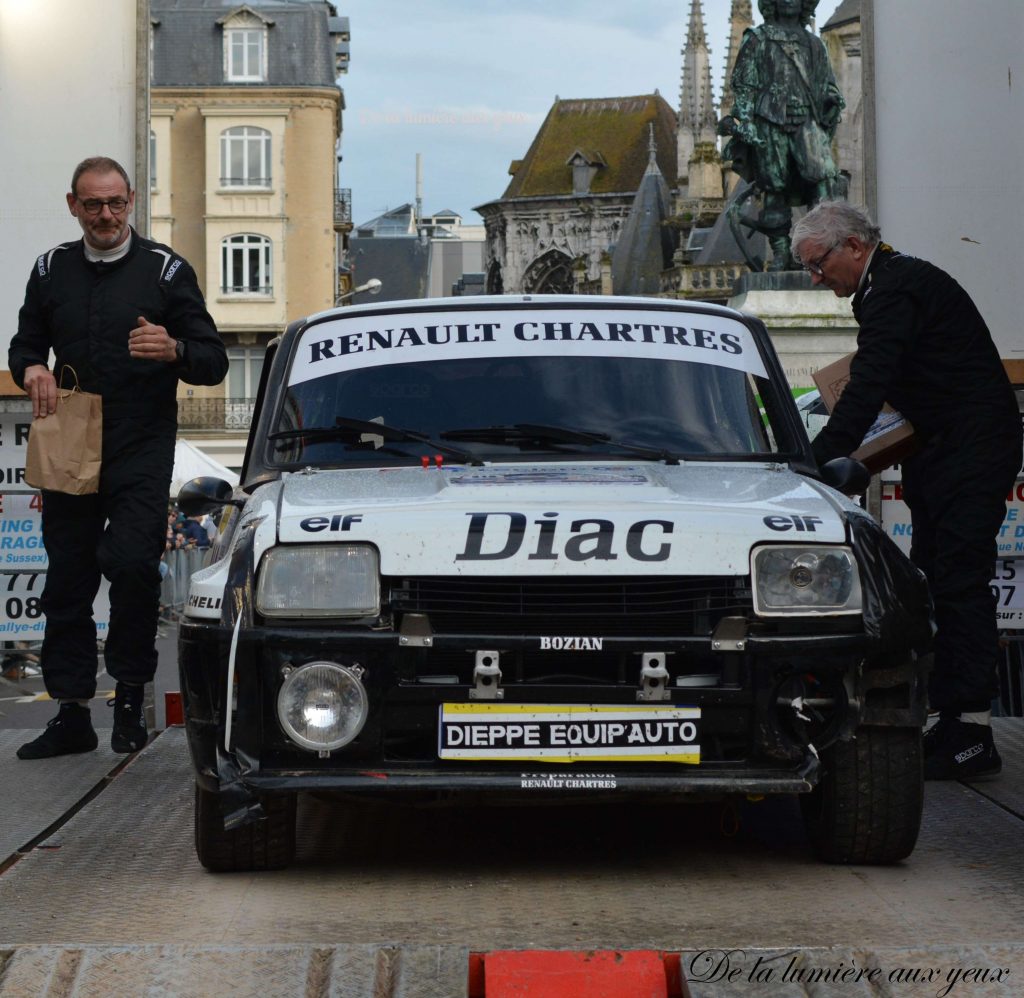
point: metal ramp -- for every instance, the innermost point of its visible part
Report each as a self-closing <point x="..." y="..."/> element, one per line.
<point x="392" y="900"/>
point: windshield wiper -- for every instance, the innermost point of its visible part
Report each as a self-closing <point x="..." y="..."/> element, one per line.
<point x="520" y="433"/>
<point x="345" y="427"/>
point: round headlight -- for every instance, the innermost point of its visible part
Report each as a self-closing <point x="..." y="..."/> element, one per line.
<point x="322" y="706"/>
<point x="802" y="574"/>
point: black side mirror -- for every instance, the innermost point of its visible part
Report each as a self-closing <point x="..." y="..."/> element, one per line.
<point x="204" y="495"/>
<point x="846" y="475"/>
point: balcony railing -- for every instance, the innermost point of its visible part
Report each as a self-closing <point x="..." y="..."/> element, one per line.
<point x="223" y="415"/>
<point x="343" y="206"/>
<point x="245" y="289"/>
<point x="245" y="182"/>
<point x="702" y="281"/>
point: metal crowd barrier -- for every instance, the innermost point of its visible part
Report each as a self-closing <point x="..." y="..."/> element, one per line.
<point x="181" y="563"/>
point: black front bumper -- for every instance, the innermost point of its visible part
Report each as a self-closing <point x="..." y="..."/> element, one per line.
<point x="755" y="746"/>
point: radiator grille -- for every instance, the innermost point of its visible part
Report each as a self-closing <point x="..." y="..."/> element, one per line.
<point x="610" y="606"/>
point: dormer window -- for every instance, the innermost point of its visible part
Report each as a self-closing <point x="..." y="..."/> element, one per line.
<point x="245" y="54"/>
<point x="245" y="46"/>
<point x="584" y="168"/>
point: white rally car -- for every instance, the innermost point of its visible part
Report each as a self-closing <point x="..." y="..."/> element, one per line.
<point x="545" y="546"/>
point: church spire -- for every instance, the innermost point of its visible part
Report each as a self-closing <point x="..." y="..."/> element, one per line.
<point x="695" y="36"/>
<point x="697" y="118"/>
<point x="696" y="106"/>
<point x="740" y="18"/>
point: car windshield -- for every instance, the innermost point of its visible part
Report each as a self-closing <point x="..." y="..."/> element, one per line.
<point x="498" y="406"/>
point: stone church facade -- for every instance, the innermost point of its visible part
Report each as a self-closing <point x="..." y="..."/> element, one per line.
<point x="569" y="197"/>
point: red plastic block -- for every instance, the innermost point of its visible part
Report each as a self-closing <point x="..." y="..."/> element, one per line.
<point x="566" y="974"/>
<point x="173" y="708"/>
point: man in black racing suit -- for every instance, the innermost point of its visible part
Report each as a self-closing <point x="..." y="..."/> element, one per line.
<point x="125" y="318"/>
<point x="924" y="348"/>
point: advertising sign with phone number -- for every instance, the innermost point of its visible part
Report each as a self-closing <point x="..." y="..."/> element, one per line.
<point x="23" y="559"/>
<point x="1008" y="577"/>
<point x="1008" y="588"/>
<point x="21" y="615"/>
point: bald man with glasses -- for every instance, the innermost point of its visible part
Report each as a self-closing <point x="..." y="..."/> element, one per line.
<point x="127" y="316"/>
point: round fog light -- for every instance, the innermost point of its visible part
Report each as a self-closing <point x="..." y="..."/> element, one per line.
<point x="322" y="706"/>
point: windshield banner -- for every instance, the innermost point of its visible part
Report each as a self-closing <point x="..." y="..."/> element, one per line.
<point x="346" y="344"/>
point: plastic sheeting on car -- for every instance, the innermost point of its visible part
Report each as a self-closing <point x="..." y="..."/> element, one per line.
<point x="897" y="603"/>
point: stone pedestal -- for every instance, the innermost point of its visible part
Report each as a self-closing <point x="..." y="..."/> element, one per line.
<point x="809" y="326"/>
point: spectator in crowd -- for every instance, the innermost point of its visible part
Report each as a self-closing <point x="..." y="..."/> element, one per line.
<point x="194" y="533"/>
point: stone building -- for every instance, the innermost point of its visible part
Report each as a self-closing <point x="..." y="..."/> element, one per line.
<point x="570" y="195"/>
<point x="245" y="120"/>
<point x="842" y="37"/>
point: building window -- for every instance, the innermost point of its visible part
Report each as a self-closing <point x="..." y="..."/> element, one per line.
<point x="152" y="160"/>
<point x="245" y="265"/>
<point x="245" y="364"/>
<point x="245" y="54"/>
<point x="245" y="157"/>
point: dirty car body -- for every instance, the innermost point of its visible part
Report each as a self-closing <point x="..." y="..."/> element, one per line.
<point x="533" y="547"/>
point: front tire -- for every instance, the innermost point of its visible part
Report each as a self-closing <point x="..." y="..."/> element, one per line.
<point x="868" y="803"/>
<point x="268" y="844"/>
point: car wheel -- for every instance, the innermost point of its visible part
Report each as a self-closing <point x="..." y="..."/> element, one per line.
<point x="268" y="844"/>
<point x="867" y="805"/>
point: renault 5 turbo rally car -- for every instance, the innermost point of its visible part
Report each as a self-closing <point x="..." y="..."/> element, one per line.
<point x="537" y="547"/>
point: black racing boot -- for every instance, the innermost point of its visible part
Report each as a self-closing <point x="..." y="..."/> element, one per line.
<point x="959" y="750"/>
<point x="129" y="734"/>
<point x="69" y="732"/>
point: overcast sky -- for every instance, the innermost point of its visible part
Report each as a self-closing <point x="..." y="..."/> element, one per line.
<point x="467" y="83"/>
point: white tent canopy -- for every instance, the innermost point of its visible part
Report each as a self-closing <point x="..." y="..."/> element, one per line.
<point x="190" y="462"/>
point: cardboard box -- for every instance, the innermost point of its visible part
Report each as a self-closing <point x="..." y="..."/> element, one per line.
<point x="890" y="438"/>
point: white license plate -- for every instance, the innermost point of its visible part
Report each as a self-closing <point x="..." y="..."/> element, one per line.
<point x="568" y="733"/>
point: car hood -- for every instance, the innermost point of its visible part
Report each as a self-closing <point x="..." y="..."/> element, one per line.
<point x="561" y="519"/>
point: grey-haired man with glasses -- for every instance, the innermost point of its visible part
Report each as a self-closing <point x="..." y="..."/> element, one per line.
<point x="924" y="348"/>
<point x="127" y="316"/>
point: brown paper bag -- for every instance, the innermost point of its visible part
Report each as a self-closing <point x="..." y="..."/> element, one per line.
<point x="65" y="449"/>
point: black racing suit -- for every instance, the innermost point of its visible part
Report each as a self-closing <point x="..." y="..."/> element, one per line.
<point x="84" y="312"/>
<point x="924" y="348"/>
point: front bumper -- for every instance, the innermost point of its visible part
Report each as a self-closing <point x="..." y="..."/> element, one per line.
<point x="755" y="741"/>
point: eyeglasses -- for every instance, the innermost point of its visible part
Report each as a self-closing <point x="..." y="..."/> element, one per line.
<point x="93" y="206"/>
<point x="815" y="268"/>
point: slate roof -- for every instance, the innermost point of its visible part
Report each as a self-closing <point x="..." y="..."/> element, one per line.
<point x="719" y="244"/>
<point x="848" y="10"/>
<point x="188" y="43"/>
<point x="400" y="263"/>
<point x="398" y="221"/>
<point x="613" y="127"/>
<point x="645" y="244"/>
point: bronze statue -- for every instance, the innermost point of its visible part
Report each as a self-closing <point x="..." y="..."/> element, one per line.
<point x="787" y="106"/>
